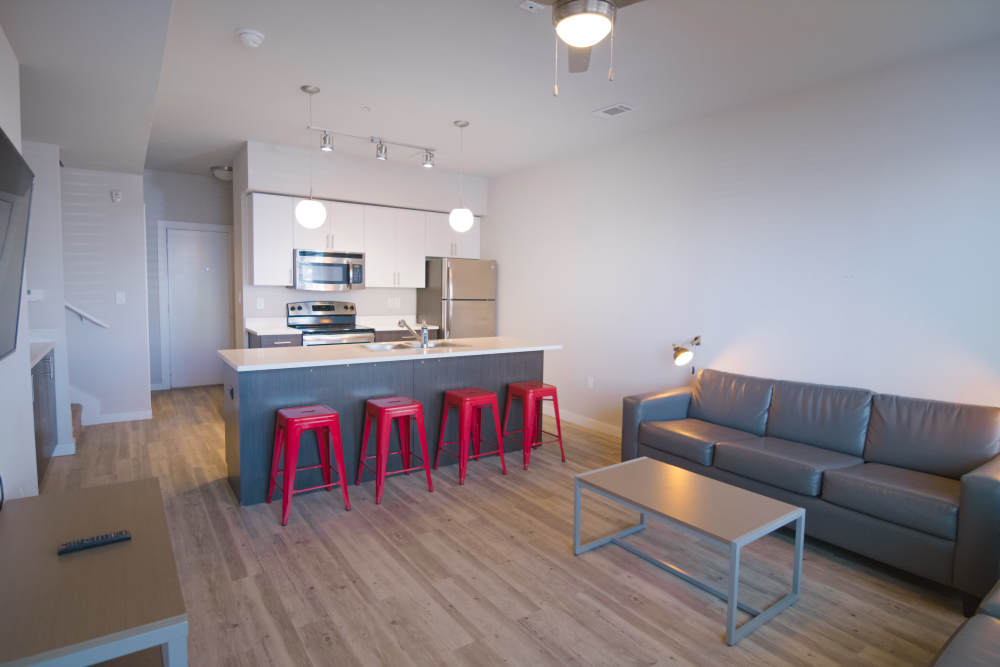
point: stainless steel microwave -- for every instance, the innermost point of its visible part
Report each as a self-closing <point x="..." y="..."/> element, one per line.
<point x="324" y="271"/>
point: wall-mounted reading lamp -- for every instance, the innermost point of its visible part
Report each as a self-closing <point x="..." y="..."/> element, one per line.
<point x="683" y="354"/>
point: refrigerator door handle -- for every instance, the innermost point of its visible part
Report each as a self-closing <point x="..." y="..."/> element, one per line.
<point x="451" y="284"/>
<point x="451" y="316"/>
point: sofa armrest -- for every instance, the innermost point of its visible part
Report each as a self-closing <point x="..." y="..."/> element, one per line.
<point x="991" y="603"/>
<point x="655" y="406"/>
<point x="977" y="551"/>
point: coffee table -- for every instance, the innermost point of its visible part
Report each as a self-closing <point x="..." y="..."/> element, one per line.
<point x="721" y="512"/>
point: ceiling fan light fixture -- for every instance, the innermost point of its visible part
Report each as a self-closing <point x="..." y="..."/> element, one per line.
<point x="583" y="23"/>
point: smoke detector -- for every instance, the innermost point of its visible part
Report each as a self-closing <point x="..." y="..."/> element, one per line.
<point x="250" y="38"/>
<point x="612" y="111"/>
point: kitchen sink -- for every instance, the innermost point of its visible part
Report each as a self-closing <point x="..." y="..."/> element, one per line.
<point x="415" y="345"/>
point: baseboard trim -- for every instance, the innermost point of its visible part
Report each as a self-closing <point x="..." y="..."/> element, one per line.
<point x="113" y="417"/>
<point x="604" y="428"/>
<point x="159" y="387"/>
<point x="64" y="449"/>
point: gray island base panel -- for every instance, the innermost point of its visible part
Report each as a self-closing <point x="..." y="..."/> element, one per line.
<point x="253" y="397"/>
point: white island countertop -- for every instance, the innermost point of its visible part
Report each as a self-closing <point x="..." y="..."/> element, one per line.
<point x="270" y="358"/>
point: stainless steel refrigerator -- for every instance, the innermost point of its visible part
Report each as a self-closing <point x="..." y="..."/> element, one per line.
<point x="460" y="297"/>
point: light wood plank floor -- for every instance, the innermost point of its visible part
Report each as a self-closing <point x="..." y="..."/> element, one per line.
<point x="480" y="574"/>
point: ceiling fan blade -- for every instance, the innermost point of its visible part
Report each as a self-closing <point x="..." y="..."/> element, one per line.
<point x="579" y="59"/>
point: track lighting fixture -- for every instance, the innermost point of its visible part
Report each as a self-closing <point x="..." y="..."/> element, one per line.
<point x="381" y="145"/>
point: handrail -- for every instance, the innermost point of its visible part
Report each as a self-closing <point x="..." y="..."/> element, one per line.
<point x="84" y="315"/>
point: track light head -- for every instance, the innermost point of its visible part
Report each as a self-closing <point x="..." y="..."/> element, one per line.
<point x="326" y="142"/>
<point x="428" y="159"/>
<point x="381" y="151"/>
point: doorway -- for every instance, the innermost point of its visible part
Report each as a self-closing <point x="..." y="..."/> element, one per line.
<point x="195" y="303"/>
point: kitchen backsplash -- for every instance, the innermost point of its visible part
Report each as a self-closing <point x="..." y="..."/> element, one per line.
<point x="370" y="301"/>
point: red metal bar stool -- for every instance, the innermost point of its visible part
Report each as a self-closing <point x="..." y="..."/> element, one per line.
<point x="291" y="424"/>
<point x="384" y="411"/>
<point x="531" y="395"/>
<point x="470" y="404"/>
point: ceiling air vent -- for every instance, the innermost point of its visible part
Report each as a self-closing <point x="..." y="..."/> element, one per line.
<point x="612" y="111"/>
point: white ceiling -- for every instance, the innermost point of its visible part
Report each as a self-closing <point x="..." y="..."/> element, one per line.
<point x="89" y="74"/>
<point x="419" y="64"/>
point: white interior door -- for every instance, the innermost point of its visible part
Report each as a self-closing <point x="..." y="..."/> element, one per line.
<point x="198" y="305"/>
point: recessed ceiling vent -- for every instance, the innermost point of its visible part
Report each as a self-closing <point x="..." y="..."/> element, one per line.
<point x="612" y="111"/>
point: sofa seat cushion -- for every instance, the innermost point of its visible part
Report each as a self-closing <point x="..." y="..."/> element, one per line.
<point x="975" y="644"/>
<point x="928" y="503"/>
<point x="783" y="463"/>
<point x="692" y="439"/>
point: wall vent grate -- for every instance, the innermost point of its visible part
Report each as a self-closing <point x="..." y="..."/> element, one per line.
<point x="612" y="111"/>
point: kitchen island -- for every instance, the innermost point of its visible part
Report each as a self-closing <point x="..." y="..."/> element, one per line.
<point x="258" y="382"/>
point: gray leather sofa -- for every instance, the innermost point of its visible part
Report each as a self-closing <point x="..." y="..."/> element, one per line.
<point x="977" y="641"/>
<point x="909" y="482"/>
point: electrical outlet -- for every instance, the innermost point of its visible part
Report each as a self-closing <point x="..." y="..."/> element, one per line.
<point x="120" y="298"/>
<point x="260" y="303"/>
<point x="393" y="302"/>
<point x="590" y="382"/>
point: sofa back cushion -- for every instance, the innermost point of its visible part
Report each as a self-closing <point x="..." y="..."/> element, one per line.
<point x="830" y="417"/>
<point x="728" y="399"/>
<point x="947" y="439"/>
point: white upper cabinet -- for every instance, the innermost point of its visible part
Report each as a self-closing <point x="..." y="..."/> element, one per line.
<point x="343" y="230"/>
<point x="272" y="218"/>
<point x="443" y="241"/>
<point x="394" y="247"/>
<point x="380" y="247"/>
<point x="346" y="224"/>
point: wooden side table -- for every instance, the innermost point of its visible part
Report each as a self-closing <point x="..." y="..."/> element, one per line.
<point x="91" y="605"/>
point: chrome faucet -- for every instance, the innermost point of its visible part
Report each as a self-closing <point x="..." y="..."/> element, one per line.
<point x="422" y="336"/>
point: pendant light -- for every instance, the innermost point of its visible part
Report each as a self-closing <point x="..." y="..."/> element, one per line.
<point x="460" y="218"/>
<point x="310" y="213"/>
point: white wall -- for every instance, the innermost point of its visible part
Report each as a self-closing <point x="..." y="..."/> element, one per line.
<point x="17" y="447"/>
<point x="104" y="247"/>
<point x="284" y="170"/>
<point x="179" y="198"/>
<point x="847" y="234"/>
<point x="45" y="280"/>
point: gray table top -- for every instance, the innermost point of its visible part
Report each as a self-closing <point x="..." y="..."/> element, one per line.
<point x="718" y="510"/>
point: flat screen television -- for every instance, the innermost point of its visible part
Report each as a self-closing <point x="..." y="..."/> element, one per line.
<point x="16" y="180"/>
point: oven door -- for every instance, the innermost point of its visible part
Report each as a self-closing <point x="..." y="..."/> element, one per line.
<point x="337" y="339"/>
<point x="322" y="271"/>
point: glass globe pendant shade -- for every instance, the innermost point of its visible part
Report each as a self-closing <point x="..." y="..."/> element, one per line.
<point x="460" y="219"/>
<point x="583" y="30"/>
<point x="310" y="213"/>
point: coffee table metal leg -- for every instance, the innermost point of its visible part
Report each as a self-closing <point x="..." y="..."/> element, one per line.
<point x="732" y="601"/>
<point x="800" y="538"/>
<point x="579" y="548"/>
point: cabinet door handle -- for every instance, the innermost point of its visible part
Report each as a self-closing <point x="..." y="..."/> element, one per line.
<point x="331" y="241"/>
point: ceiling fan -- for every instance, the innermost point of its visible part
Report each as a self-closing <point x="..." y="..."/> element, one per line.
<point x="582" y="24"/>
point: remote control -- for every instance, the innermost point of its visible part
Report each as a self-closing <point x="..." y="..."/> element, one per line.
<point x="95" y="541"/>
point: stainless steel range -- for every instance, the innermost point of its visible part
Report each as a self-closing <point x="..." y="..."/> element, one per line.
<point x="327" y="323"/>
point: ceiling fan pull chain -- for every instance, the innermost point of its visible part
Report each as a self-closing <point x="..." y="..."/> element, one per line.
<point x="611" y="70"/>
<point x="555" y="73"/>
